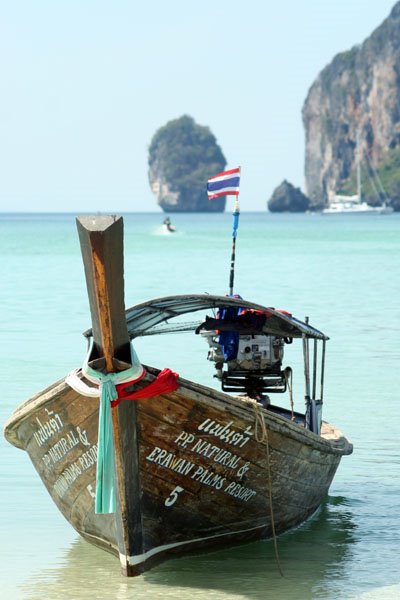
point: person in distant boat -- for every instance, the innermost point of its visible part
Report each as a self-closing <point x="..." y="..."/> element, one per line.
<point x="168" y="224"/>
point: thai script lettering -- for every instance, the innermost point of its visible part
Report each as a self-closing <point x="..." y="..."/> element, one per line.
<point x="48" y="429"/>
<point x="225" y="434"/>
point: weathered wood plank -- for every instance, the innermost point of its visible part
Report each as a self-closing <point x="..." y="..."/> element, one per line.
<point x="101" y="240"/>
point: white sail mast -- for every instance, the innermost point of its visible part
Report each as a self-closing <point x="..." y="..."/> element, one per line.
<point x="358" y="163"/>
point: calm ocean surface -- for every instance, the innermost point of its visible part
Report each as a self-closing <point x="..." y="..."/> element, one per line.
<point x="341" y="271"/>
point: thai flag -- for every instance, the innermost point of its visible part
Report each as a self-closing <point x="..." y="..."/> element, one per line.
<point x="224" y="184"/>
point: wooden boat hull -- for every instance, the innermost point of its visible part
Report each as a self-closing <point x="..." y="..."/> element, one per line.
<point x="199" y="468"/>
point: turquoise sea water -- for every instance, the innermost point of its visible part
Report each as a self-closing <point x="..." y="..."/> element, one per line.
<point x="341" y="271"/>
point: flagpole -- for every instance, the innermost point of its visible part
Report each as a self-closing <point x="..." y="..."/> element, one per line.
<point x="235" y="214"/>
<point x="227" y="183"/>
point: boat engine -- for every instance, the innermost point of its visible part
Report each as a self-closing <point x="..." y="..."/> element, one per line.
<point x="246" y="359"/>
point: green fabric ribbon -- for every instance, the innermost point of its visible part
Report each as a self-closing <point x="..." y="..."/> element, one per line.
<point x="105" y="473"/>
<point x="105" y="501"/>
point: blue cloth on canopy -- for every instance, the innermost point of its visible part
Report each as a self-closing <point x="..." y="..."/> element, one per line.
<point x="229" y="340"/>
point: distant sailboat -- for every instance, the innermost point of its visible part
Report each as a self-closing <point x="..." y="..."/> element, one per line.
<point x="344" y="204"/>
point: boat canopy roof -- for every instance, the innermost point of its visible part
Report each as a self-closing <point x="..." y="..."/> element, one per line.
<point x="146" y="318"/>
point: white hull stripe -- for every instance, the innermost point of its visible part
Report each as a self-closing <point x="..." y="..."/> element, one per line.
<point x="139" y="558"/>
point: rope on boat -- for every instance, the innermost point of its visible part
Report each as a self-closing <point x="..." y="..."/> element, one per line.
<point x="260" y="424"/>
<point x="289" y="382"/>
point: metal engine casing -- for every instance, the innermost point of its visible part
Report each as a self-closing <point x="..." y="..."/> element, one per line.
<point x="257" y="353"/>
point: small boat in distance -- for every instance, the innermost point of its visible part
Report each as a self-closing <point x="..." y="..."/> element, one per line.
<point x="167" y="226"/>
<point x="354" y="204"/>
<point x="148" y="465"/>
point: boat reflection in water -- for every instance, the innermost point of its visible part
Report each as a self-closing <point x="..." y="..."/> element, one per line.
<point x="314" y="558"/>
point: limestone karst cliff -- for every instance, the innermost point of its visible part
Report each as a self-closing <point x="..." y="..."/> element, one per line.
<point x="357" y="94"/>
<point x="182" y="156"/>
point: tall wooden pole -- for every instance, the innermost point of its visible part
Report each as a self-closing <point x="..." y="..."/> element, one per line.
<point x="101" y="240"/>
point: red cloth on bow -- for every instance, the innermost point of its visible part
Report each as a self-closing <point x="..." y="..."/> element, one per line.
<point x="166" y="381"/>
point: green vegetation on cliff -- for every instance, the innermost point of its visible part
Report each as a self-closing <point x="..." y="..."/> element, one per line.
<point x="389" y="174"/>
<point x="183" y="155"/>
<point x="381" y="185"/>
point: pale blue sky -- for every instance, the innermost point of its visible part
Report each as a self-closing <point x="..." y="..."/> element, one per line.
<point x="85" y="84"/>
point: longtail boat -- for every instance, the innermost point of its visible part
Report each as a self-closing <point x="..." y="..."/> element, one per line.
<point x="148" y="465"/>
